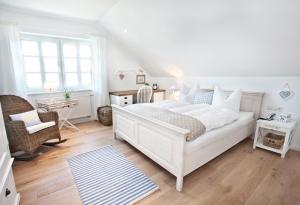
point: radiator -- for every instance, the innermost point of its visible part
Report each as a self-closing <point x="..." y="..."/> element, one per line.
<point x="82" y="110"/>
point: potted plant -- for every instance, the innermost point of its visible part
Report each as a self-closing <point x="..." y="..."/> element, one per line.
<point x="67" y="94"/>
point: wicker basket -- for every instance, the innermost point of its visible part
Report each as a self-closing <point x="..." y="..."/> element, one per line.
<point x="273" y="140"/>
<point x="105" y="115"/>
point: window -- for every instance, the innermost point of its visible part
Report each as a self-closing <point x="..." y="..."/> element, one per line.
<point x="62" y="62"/>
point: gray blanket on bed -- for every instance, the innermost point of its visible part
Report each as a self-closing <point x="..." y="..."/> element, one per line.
<point x="194" y="125"/>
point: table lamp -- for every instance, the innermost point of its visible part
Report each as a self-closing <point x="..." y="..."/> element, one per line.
<point x="173" y="89"/>
<point x="50" y="86"/>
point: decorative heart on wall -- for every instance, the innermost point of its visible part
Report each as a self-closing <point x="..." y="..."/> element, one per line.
<point x="286" y="92"/>
<point x="121" y="76"/>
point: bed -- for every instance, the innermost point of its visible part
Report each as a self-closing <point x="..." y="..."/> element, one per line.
<point x="166" y="144"/>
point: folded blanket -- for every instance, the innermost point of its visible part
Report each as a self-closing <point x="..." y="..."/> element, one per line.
<point x="192" y="124"/>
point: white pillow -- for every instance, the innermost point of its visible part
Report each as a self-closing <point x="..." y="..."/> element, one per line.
<point x="232" y="102"/>
<point x="30" y="118"/>
<point x="194" y="90"/>
<point x="184" y="92"/>
<point x="187" y="94"/>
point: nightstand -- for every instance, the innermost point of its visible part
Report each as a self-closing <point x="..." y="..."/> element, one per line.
<point x="282" y="128"/>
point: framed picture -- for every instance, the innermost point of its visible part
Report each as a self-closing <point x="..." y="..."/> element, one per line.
<point x="140" y="79"/>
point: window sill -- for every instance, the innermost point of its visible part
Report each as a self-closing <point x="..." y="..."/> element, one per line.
<point x="57" y="92"/>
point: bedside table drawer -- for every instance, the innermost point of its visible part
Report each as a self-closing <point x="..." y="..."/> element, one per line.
<point x="273" y="127"/>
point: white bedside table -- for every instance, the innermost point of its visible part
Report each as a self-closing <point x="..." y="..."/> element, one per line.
<point x="286" y="129"/>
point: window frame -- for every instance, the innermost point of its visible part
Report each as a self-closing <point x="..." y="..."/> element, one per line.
<point x="60" y="41"/>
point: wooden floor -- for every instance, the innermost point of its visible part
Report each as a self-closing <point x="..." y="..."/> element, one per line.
<point x="239" y="176"/>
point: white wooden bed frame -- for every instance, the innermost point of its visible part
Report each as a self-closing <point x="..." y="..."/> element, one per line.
<point x="165" y="144"/>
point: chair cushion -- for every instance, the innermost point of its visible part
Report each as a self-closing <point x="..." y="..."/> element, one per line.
<point x="38" y="127"/>
<point x="30" y="118"/>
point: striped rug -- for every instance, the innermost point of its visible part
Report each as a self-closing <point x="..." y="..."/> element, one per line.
<point x="105" y="176"/>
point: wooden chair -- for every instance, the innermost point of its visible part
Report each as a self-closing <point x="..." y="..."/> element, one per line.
<point x="144" y="94"/>
<point x="17" y="134"/>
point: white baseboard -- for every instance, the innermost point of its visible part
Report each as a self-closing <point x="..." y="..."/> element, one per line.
<point x="81" y="120"/>
<point x="295" y="148"/>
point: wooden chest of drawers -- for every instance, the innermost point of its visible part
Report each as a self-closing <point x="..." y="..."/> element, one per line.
<point x="128" y="97"/>
<point x="121" y="100"/>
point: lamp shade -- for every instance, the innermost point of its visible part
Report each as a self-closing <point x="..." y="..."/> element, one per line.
<point x="173" y="87"/>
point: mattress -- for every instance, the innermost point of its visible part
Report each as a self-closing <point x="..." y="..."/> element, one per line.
<point x="245" y="120"/>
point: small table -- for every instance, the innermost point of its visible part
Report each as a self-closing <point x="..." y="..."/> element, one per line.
<point x="286" y="129"/>
<point x="51" y="105"/>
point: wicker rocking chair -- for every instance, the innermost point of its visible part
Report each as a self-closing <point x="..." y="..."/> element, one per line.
<point x="17" y="134"/>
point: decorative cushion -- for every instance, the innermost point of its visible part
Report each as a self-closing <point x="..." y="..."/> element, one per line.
<point x="203" y="98"/>
<point x="38" y="127"/>
<point x="232" y="102"/>
<point x="30" y="118"/>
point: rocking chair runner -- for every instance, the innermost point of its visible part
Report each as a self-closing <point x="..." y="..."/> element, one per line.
<point x="17" y="134"/>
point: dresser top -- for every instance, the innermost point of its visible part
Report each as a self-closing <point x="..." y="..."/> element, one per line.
<point x="131" y="92"/>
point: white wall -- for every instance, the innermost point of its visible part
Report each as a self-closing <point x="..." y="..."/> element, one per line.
<point x="269" y="85"/>
<point x="119" y="58"/>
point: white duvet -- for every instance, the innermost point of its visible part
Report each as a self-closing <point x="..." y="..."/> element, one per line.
<point x="212" y="117"/>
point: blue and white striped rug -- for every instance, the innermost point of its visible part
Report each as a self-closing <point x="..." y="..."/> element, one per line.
<point x="105" y="176"/>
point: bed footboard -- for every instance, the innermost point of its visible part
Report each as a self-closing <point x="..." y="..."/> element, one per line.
<point x="161" y="142"/>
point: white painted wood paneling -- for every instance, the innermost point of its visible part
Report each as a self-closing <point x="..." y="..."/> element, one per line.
<point x="160" y="146"/>
<point x="126" y="127"/>
<point x="7" y="182"/>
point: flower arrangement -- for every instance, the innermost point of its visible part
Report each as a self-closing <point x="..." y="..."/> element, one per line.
<point x="67" y="94"/>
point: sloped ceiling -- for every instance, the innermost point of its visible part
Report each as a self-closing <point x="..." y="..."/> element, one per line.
<point x="210" y="38"/>
<point x="195" y="37"/>
<point x="80" y="9"/>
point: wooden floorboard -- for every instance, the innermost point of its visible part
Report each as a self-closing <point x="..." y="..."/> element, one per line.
<point x="239" y="176"/>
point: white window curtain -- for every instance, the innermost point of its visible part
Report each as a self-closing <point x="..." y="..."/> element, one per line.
<point x="12" y="79"/>
<point x="100" y="82"/>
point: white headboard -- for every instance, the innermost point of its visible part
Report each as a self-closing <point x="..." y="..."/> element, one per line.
<point x="250" y="102"/>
